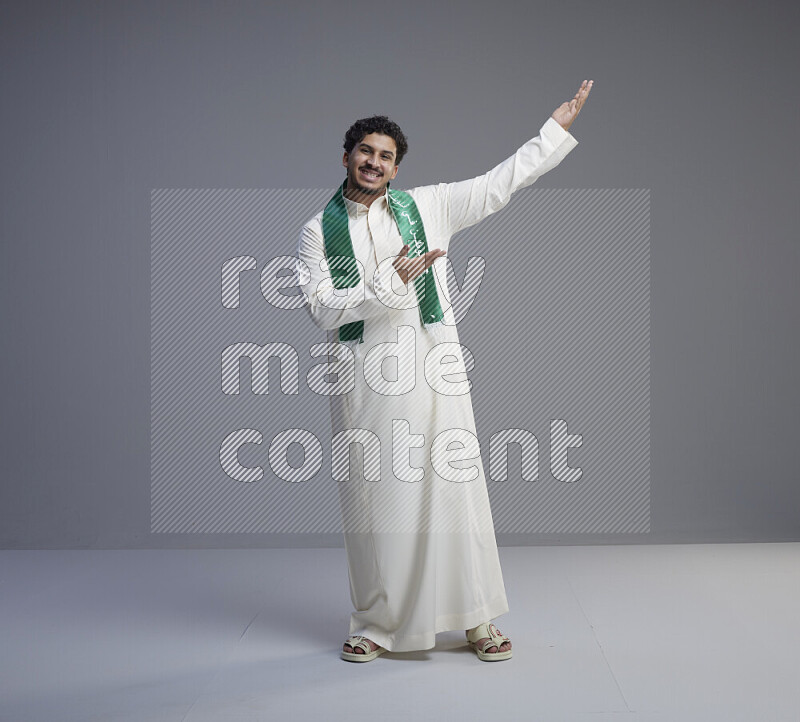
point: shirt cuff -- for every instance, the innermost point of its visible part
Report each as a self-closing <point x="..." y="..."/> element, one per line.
<point x="556" y="135"/>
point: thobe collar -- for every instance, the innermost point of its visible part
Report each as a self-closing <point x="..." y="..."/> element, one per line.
<point x="356" y="209"/>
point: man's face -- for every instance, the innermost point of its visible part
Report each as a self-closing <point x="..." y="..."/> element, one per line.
<point x="371" y="164"/>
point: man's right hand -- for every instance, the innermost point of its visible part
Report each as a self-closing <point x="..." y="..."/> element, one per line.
<point x="409" y="268"/>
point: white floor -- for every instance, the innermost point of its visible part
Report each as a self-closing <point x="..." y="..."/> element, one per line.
<point x="668" y="632"/>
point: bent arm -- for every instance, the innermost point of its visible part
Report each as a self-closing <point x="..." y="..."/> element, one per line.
<point x="467" y="202"/>
<point x="331" y="307"/>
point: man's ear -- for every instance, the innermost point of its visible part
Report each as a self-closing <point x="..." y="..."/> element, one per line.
<point x="396" y="168"/>
<point x="345" y="158"/>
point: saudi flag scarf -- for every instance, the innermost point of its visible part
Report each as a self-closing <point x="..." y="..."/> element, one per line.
<point x="342" y="262"/>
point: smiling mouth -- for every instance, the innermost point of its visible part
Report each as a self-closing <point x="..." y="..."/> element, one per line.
<point x="371" y="175"/>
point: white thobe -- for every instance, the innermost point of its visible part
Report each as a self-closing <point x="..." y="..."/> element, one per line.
<point x="421" y="550"/>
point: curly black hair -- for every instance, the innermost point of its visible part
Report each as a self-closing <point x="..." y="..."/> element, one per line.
<point x="376" y="124"/>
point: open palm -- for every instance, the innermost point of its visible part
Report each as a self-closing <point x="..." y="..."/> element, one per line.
<point x="566" y="113"/>
<point x="409" y="268"/>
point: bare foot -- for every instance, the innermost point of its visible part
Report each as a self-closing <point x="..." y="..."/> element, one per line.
<point x="358" y="650"/>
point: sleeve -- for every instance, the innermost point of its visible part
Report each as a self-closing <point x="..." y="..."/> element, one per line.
<point x="467" y="202"/>
<point x="330" y="307"/>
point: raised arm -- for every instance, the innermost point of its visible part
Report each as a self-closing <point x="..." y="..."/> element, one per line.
<point x="467" y="202"/>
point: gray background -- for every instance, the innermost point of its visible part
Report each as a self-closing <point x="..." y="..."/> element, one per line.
<point x="104" y="101"/>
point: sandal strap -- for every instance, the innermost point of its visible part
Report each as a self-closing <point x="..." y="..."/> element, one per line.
<point x="497" y="634"/>
<point x="476" y="633"/>
<point x="495" y="638"/>
<point x="359" y="640"/>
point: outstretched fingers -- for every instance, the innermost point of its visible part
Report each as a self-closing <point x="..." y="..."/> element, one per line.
<point x="425" y="261"/>
<point x="583" y="93"/>
<point x="431" y="256"/>
<point x="410" y="268"/>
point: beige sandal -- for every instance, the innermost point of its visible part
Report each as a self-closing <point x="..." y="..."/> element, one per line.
<point x="359" y="640"/>
<point x="495" y="639"/>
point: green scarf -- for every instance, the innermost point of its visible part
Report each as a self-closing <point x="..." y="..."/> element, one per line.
<point x="342" y="262"/>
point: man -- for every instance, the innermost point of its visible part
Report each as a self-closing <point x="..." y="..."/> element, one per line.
<point x="421" y="551"/>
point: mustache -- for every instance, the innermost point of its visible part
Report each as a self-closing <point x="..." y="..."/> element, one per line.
<point x="363" y="189"/>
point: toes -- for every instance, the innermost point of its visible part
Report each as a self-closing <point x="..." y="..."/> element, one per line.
<point x="504" y="647"/>
<point x="493" y="649"/>
<point x="360" y="650"/>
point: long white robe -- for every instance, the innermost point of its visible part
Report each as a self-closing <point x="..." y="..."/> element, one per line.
<point x="421" y="550"/>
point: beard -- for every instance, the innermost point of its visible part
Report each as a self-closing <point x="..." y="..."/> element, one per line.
<point x="353" y="182"/>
